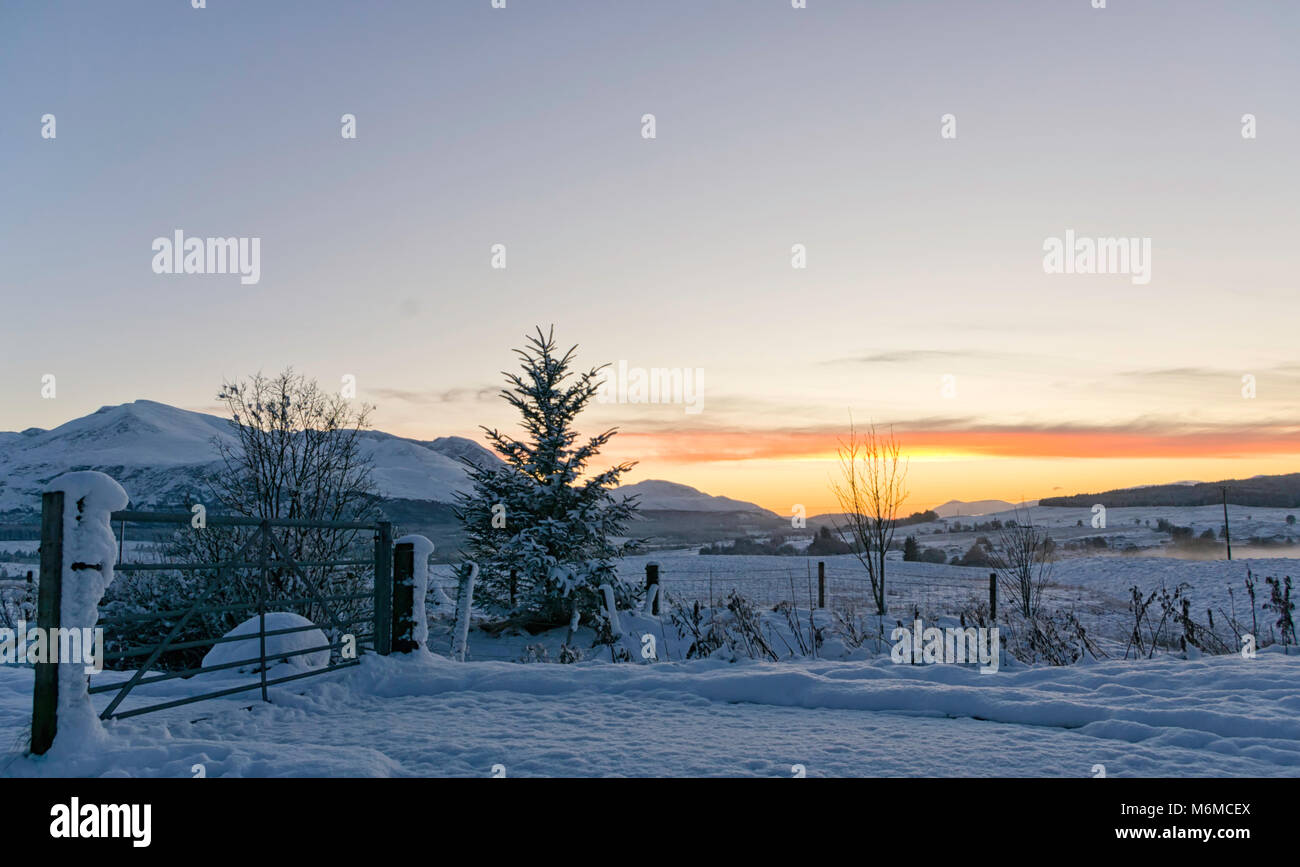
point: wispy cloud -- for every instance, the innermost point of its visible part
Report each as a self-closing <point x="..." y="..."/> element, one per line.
<point x="1198" y="375"/>
<point x="431" y="397"/>
<point x="918" y="356"/>
<point x="1175" y="373"/>
<point x="209" y="409"/>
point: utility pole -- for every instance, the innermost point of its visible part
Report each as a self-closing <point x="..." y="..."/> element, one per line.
<point x="1227" y="536"/>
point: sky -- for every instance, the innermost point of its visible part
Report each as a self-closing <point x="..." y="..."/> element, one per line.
<point x="924" y="305"/>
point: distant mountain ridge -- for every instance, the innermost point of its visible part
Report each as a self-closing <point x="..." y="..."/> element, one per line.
<point x="955" y="508"/>
<point x="161" y="455"/>
<point x="1273" y="491"/>
<point x="661" y="495"/>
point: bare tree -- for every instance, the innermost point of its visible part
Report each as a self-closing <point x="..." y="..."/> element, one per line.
<point x="871" y="489"/>
<point x="296" y="451"/>
<point x="297" y="454"/>
<point x="1023" y="560"/>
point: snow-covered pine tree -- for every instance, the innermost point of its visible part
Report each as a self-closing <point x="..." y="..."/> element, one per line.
<point x="538" y="514"/>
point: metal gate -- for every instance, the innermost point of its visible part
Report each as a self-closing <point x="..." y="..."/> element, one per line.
<point x="264" y="555"/>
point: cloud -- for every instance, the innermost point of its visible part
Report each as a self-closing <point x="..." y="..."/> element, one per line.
<point x="1176" y="373"/>
<point x="917" y="356"/>
<point x="210" y="409"/>
<point x="430" y="397"/>
<point x="1198" y="375"/>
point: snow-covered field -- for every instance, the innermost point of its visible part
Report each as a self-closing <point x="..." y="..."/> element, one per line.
<point x="1096" y="589"/>
<point x="845" y="712"/>
<point x="427" y="716"/>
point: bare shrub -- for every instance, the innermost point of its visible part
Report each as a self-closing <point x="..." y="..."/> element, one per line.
<point x="1280" y="604"/>
<point x="1057" y="638"/>
<point x="1023" y="561"/>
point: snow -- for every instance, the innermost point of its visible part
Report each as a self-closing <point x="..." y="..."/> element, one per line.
<point x="406" y="469"/>
<point x="89" y="551"/>
<point x="462" y="449"/>
<point x="422" y="715"/>
<point x="420" y="576"/>
<point x="129" y="434"/>
<point x="250" y="648"/>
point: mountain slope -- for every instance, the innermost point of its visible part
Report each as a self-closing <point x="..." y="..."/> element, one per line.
<point x="161" y="454"/>
<point x="656" y="494"/>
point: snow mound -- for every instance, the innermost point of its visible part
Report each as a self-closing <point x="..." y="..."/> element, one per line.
<point x="249" y="648"/>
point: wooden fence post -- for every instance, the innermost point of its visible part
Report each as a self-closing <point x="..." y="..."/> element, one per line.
<point x="60" y="692"/>
<point x="652" y="581"/>
<point x="49" y="606"/>
<point x="404" y="598"/>
<point x="384" y="589"/>
<point x="993" y="596"/>
<point x="821" y="583"/>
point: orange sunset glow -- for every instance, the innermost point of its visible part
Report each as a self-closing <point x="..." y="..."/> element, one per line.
<point x="777" y="469"/>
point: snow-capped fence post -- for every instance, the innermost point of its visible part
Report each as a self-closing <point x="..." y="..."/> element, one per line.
<point x="652" y="585"/>
<point x="821" y="583"/>
<point x="993" y="596"/>
<point x="77" y="555"/>
<point x="464" y="604"/>
<point x="611" y="611"/>
<point x="651" y="598"/>
<point x="384" y="589"/>
<point x="410" y="587"/>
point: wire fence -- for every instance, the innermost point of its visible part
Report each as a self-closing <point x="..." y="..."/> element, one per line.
<point x="906" y="590"/>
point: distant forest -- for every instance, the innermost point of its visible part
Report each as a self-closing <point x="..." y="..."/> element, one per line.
<point x="1277" y="491"/>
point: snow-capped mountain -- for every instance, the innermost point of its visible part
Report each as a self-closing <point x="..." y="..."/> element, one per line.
<point x="159" y="453"/>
